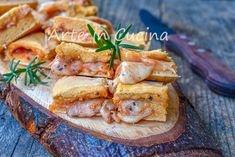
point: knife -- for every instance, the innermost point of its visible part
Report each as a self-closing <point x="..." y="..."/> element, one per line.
<point x="218" y="77"/>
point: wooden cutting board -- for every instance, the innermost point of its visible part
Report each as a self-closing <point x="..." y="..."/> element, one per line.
<point x="65" y="136"/>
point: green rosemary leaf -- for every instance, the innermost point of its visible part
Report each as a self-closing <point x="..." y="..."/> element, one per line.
<point x="10" y="79"/>
<point x="104" y="48"/>
<point x="32" y="80"/>
<point x="37" y="78"/>
<point x="4" y="79"/>
<point x="112" y="59"/>
<point x="118" y="52"/>
<point x="125" y="33"/>
<point x="107" y="42"/>
<point x="15" y="66"/>
<point x="31" y="62"/>
<point x="7" y="74"/>
<point x="37" y="64"/>
<point x="43" y="74"/>
<point x="107" y="34"/>
<point x="91" y="30"/>
<point x="16" y="77"/>
<point x="130" y="46"/>
<point x="26" y="79"/>
<point x="19" y="71"/>
<point x="30" y="72"/>
<point x="11" y="64"/>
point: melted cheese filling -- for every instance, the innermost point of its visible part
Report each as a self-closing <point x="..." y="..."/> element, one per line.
<point x="70" y="67"/>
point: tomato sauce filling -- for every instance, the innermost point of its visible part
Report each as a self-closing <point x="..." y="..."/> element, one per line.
<point x="24" y="54"/>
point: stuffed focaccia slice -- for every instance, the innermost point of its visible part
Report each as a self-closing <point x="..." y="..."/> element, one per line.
<point x="67" y="8"/>
<point x="16" y="23"/>
<point x="134" y="72"/>
<point x="73" y="30"/>
<point x="137" y="66"/>
<point x="31" y="46"/>
<point x="73" y="59"/>
<point x="83" y="97"/>
<point x="75" y="88"/>
<point x="142" y="101"/>
<point x="163" y="67"/>
<point x="6" y="5"/>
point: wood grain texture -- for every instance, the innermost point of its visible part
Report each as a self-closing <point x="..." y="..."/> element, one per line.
<point x="62" y="138"/>
<point x="211" y="24"/>
<point x="216" y="111"/>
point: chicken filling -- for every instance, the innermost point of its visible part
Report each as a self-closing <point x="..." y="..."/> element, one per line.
<point x="90" y="108"/>
<point x="132" y="111"/>
<point x="75" y="67"/>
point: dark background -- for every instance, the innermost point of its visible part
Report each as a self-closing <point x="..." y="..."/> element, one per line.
<point x="211" y="23"/>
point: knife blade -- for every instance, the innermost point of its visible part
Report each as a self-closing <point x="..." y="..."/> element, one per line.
<point x="219" y="77"/>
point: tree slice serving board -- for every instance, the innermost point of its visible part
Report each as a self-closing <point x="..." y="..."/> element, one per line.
<point x="65" y="136"/>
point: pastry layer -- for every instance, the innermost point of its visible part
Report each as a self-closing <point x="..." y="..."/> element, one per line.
<point x="73" y="59"/>
<point x="134" y="72"/>
<point x="25" y="49"/>
<point x="144" y="56"/>
<point x="86" y="55"/>
<point x="16" y="23"/>
<point x="68" y="8"/>
<point x="6" y="5"/>
<point x="143" y="90"/>
<point x="73" y="30"/>
<point x="70" y="89"/>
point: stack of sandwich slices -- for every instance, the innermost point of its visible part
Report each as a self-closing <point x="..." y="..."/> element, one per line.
<point x="134" y="89"/>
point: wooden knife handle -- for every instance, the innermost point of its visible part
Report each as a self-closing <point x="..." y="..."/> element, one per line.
<point x="217" y="75"/>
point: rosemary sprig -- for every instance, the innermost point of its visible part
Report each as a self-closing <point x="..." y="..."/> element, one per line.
<point x="106" y="43"/>
<point x="32" y="73"/>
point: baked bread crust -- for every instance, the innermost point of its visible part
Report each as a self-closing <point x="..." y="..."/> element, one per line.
<point x="69" y="29"/>
<point x="16" y="23"/>
<point x="143" y="90"/>
<point x="86" y="55"/>
<point x="73" y="88"/>
<point x="6" y="5"/>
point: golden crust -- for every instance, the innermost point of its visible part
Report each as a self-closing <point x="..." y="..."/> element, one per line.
<point x="144" y="90"/>
<point x="6" y="5"/>
<point x="137" y="55"/>
<point x="73" y="30"/>
<point x="70" y="89"/>
<point x="81" y="11"/>
<point x="159" y="113"/>
<point x="134" y="72"/>
<point x="86" y="55"/>
<point x="50" y="9"/>
<point x="163" y="76"/>
<point x="16" y="23"/>
<point x="76" y="24"/>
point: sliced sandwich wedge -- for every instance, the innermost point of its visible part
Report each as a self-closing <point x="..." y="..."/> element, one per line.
<point x="143" y="101"/>
<point x="15" y="24"/>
